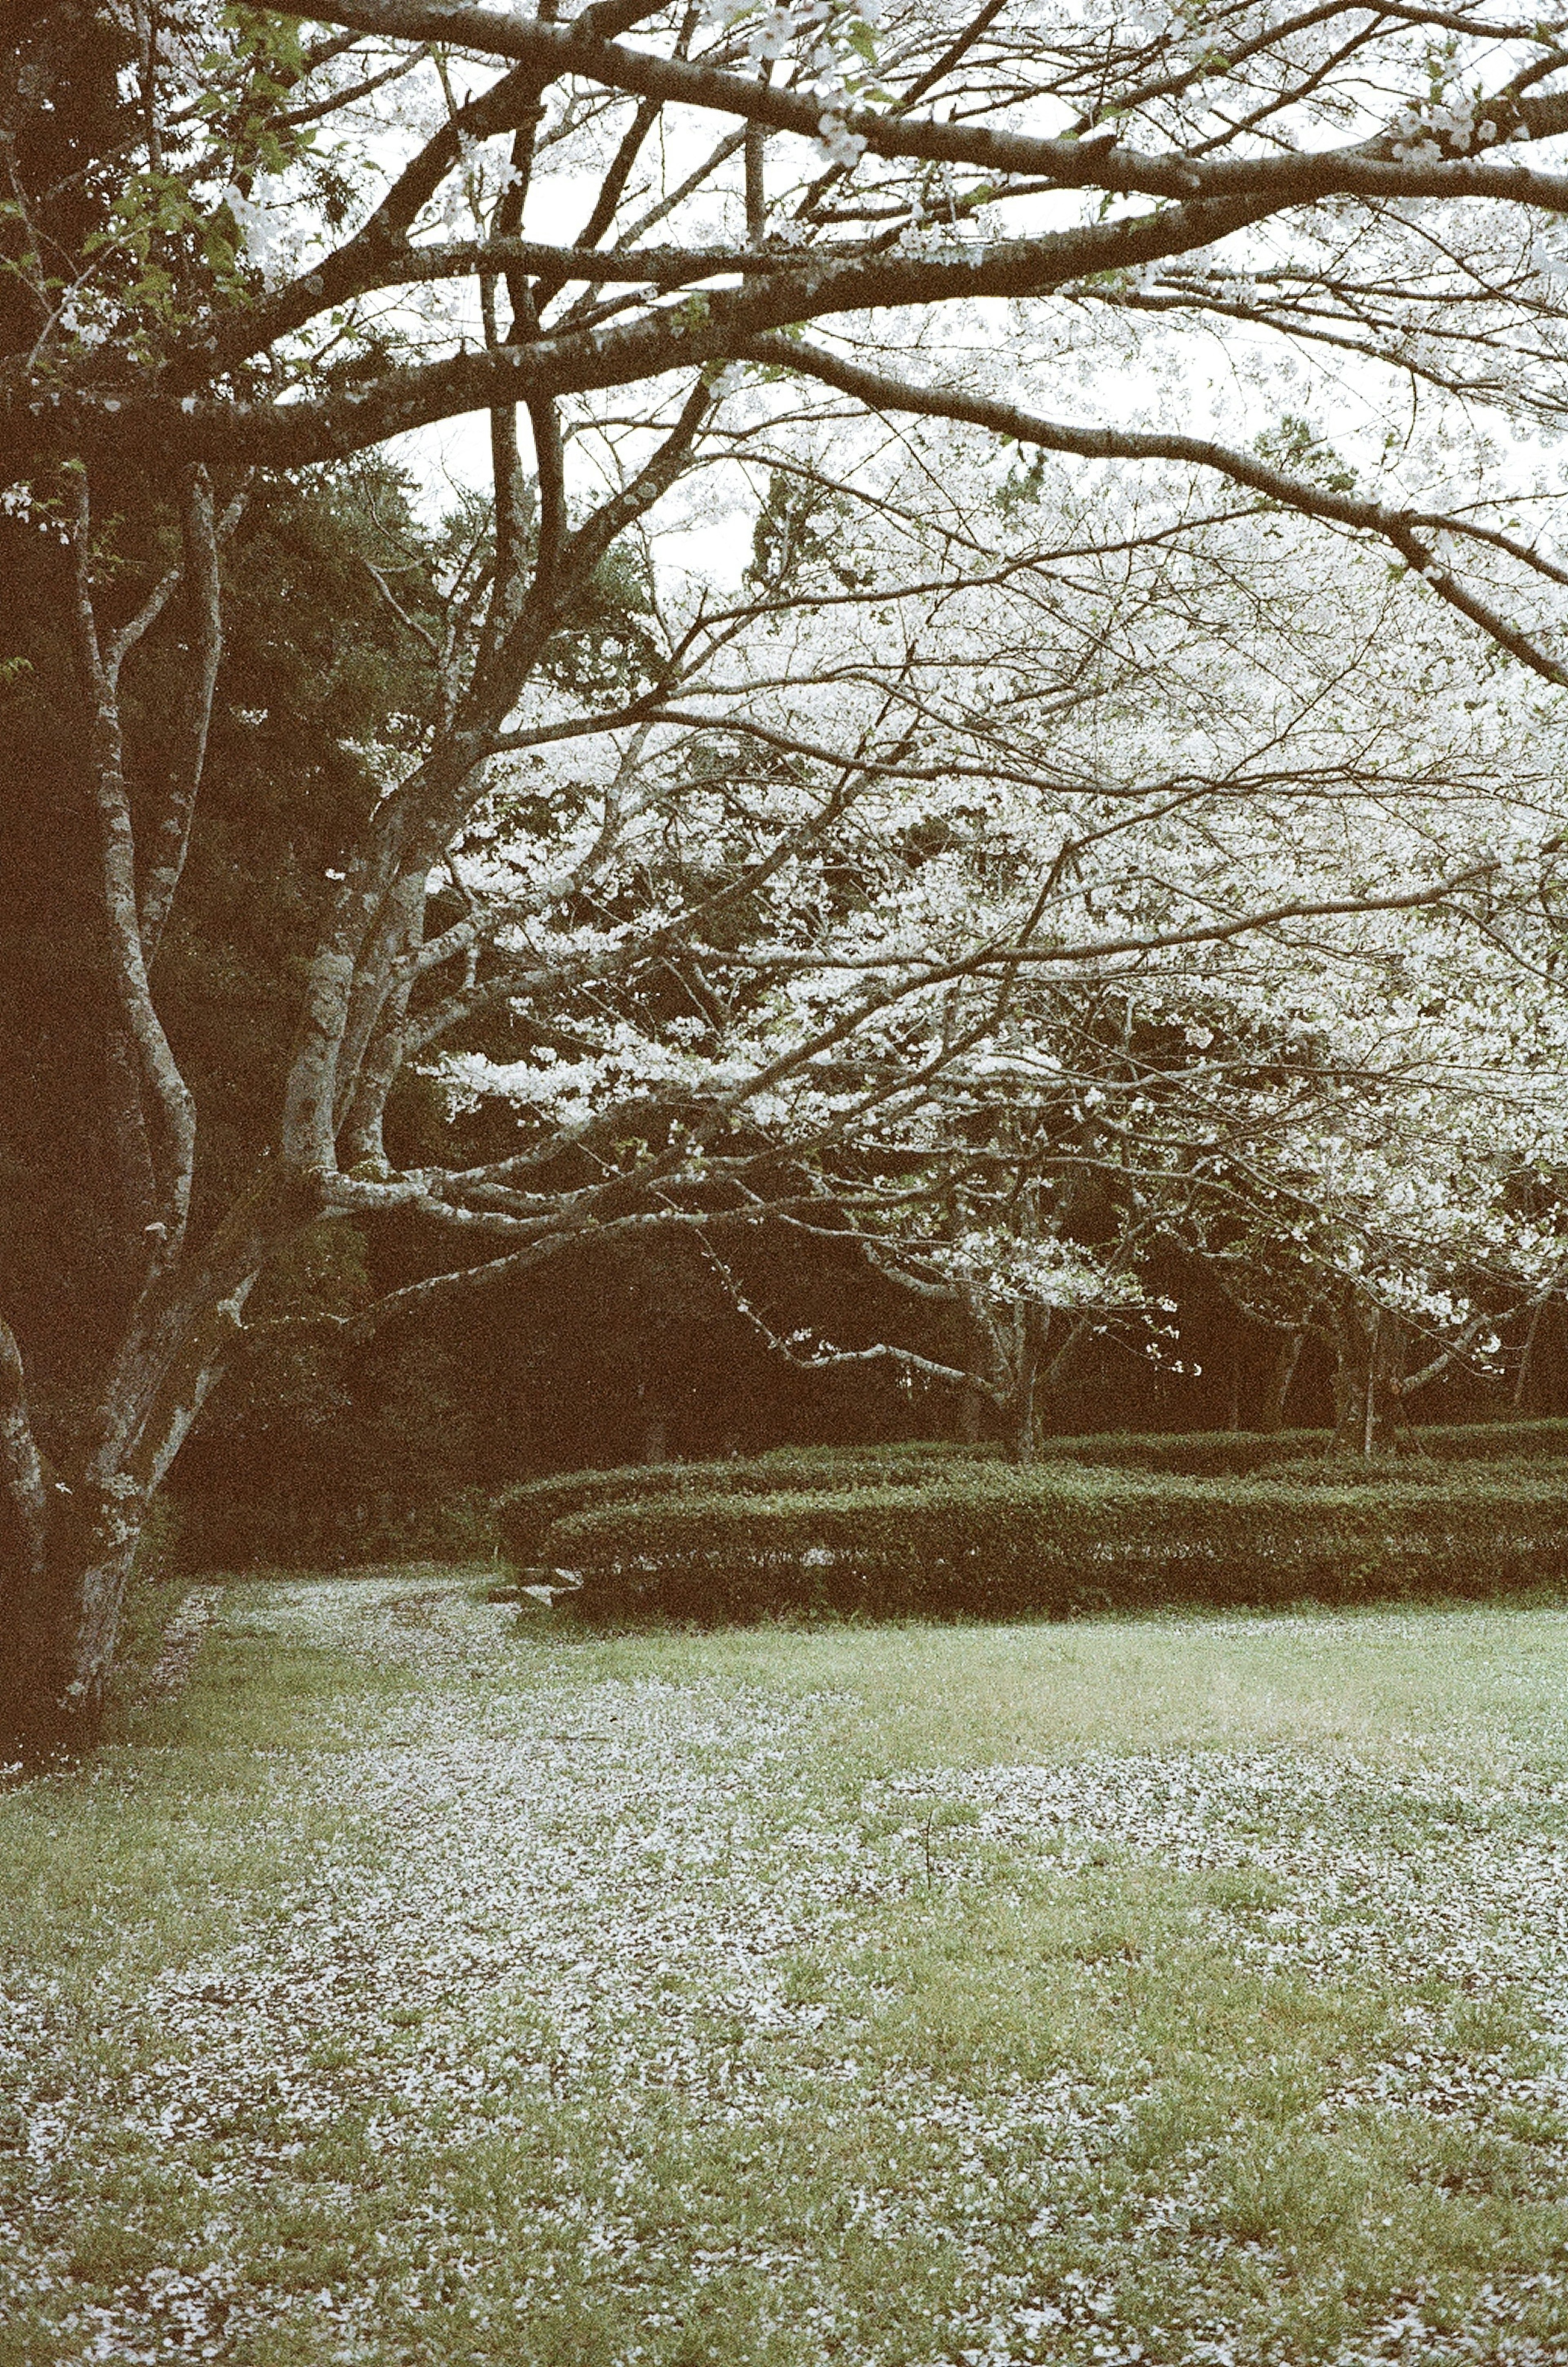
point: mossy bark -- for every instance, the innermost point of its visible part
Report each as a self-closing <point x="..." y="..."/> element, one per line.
<point x="62" y="1621"/>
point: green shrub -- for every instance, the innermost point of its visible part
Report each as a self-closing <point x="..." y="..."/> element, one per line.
<point x="283" y="1532"/>
<point x="1485" y="1441"/>
<point x="525" y="1514"/>
<point x="527" y="1517"/>
<point x="1215" y="1453"/>
<point x="1189" y="1454"/>
<point x="1000" y="1544"/>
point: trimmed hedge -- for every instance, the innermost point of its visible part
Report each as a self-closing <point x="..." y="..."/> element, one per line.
<point x="1218" y="1454"/>
<point x="525" y="1515"/>
<point x="1002" y="1543"/>
<point x="1187" y="1453"/>
<point x="1485" y="1442"/>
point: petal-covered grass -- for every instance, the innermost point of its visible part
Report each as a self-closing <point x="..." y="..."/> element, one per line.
<point x="418" y="1986"/>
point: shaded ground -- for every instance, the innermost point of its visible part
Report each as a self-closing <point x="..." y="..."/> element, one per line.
<point x="410" y="1988"/>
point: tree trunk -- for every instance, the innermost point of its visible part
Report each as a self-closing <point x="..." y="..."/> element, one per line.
<point x="67" y="1535"/>
<point x="1023" y="1427"/>
<point x="1277" y="1386"/>
<point x="1233" y="1400"/>
<point x="653" y="1424"/>
<point x="1526" y="1359"/>
<point x="62" y="1620"/>
<point x="1371" y="1347"/>
<point x="1350" y="1376"/>
<point x="970" y="1402"/>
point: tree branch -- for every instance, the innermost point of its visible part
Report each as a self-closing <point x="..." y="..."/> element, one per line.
<point x="1368" y="169"/>
<point x="174" y="1138"/>
<point x="203" y="593"/>
<point x="1402" y="528"/>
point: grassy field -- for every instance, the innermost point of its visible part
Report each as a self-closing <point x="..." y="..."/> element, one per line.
<point x="417" y="1986"/>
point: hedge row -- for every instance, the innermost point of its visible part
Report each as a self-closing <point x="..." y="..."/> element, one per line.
<point x="527" y="1514"/>
<point x="1003" y="1544"/>
<point x="1187" y="1454"/>
<point x="1485" y="1441"/>
<point x="1218" y="1454"/>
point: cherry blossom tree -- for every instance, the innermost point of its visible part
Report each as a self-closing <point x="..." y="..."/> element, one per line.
<point x="1334" y="1114"/>
<point x="689" y="268"/>
<point x="1392" y="1177"/>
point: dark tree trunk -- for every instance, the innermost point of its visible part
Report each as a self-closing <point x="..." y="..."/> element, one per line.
<point x="1522" y="1401"/>
<point x="970" y="1402"/>
<point x="1024" y="1426"/>
<point x="1277" y="1384"/>
<point x="653" y="1422"/>
<point x="69" y="1535"/>
<point x="61" y="1622"/>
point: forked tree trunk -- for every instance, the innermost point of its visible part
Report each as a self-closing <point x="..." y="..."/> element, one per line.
<point x="1370" y="1348"/>
<point x="67" y="1535"/>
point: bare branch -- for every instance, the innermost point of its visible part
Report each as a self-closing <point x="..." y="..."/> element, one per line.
<point x="202" y="536"/>
<point x="169" y="1097"/>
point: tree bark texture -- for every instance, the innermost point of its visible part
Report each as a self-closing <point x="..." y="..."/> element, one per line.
<point x="61" y="1619"/>
<point x="1370" y="1350"/>
<point x="1276" y="1382"/>
<point x="69" y="1535"/>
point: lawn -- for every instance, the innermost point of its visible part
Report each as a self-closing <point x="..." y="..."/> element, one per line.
<point x="420" y="1984"/>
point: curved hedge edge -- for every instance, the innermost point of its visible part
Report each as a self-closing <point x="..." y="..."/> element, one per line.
<point x="525" y="1514"/>
<point x="1014" y="1545"/>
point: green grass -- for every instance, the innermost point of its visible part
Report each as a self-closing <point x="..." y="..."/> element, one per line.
<point x="1384" y="1682"/>
<point x="425" y="1985"/>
